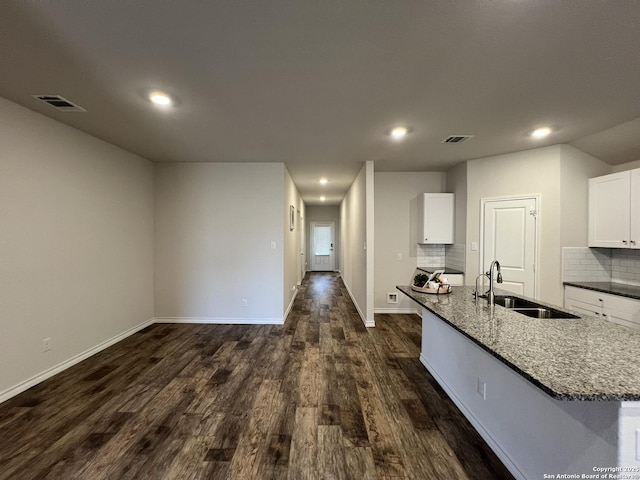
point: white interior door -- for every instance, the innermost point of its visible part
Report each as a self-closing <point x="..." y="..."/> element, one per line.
<point x="322" y="246"/>
<point x="509" y="227"/>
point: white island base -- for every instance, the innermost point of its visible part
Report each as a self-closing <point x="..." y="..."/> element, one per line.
<point x="535" y="435"/>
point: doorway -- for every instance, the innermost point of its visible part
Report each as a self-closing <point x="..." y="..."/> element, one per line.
<point x="509" y="235"/>
<point x="322" y="246"/>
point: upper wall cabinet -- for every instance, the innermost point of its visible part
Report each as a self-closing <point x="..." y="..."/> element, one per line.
<point x="614" y="210"/>
<point x="435" y="218"/>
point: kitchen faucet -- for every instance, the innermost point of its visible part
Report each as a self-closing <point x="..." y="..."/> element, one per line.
<point x="491" y="298"/>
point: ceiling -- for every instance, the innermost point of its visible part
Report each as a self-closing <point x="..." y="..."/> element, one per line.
<point x="318" y="84"/>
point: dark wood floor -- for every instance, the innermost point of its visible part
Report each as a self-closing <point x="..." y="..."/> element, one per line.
<point x="318" y="398"/>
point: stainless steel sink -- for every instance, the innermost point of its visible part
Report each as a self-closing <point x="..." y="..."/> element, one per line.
<point x="531" y="309"/>
<point x="544" y="312"/>
<point x="510" y="301"/>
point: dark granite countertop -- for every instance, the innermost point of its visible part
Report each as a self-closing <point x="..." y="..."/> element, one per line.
<point x="612" y="288"/>
<point x="449" y="271"/>
<point x="569" y="359"/>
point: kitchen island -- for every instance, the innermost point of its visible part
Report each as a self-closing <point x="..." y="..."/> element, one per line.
<point x="550" y="396"/>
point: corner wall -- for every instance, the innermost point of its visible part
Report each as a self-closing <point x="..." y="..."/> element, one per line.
<point x="558" y="173"/>
<point x="529" y="172"/>
<point x="626" y="166"/>
<point x="76" y="246"/>
<point x="215" y="224"/>
<point x="293" y="242"/>
<point x="457" y="184"/>
<point x="357" y="243"/>
<point x="395" y="233"/>
<point x="576" y="169"/>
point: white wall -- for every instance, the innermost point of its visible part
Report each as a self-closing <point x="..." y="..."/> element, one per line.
<point x="457" y="184"/>
<point x="329" y="213"/>
<point x="292" y="242"/>
<point x="214" y="226"/>
<point x="394" y="219"/>
<point x="76" y="245"/>
<point x="626" y="166"/>
<point x="357" y="242"/>
<point x="576" y="169"/>
<point x="534" y="171"/>
<point x="559" y="174"/>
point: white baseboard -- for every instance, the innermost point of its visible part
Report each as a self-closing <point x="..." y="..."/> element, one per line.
<point x="221" y="320"/>
<point x="362" y="316"/>
<point x="50" y="372"/>
<point x="396" y="310"/>
<point x="286" y="314"/>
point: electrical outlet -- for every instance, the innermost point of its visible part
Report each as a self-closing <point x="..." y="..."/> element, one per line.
<point x="46" y="344"/>
<point x="273" y="245"/>
<point x="481" y="388"/>
<point x="399" y="257"/>
<point x="243" y="302"/>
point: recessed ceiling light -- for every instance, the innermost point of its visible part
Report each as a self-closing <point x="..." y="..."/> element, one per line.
<point x="323" y="181"/>
<point x="322" y="198"/>
<point x="160" y="98"/>
<point x="398" y="133"/>
<point x="541" y="132"/>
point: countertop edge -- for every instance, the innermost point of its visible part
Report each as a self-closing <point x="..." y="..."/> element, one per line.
<point x="552" y="393"/>
<point x="594" y="287"/>
<point x="447" y="271"/>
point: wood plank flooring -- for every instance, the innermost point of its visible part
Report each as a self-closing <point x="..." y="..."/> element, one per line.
<point x="321" y="397"/>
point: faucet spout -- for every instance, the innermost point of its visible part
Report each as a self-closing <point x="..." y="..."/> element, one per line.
<point x="491" y="298"/>
<point x="476" y="292"/>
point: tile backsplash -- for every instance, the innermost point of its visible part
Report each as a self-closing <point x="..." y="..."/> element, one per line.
<point x="454" y="256"/>
<point x="451" y="256"/>
<point x="625" y="266"/>
<point x="584" y="264"/>
<point x="430" y="255"/>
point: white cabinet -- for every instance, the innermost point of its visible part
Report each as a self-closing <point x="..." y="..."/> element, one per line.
<point x="455" y="279"/>
<point x="614" y="308"/>
<point x="635" y="208"/>
<point x="435" y="218"/>
<point x="614" y="210"/>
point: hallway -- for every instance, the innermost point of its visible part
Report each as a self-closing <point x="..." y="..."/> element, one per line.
<point x="321" y="397"/>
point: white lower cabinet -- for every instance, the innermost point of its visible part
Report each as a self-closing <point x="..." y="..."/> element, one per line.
<point x="614" y="308"/>
<point x="455" y="279"/>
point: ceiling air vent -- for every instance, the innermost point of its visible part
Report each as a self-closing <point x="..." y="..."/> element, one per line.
<point x="457" y="138"/>
<point x="59" y="103"/>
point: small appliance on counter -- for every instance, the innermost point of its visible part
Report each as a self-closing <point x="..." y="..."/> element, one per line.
<point x="435" y="283"/>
